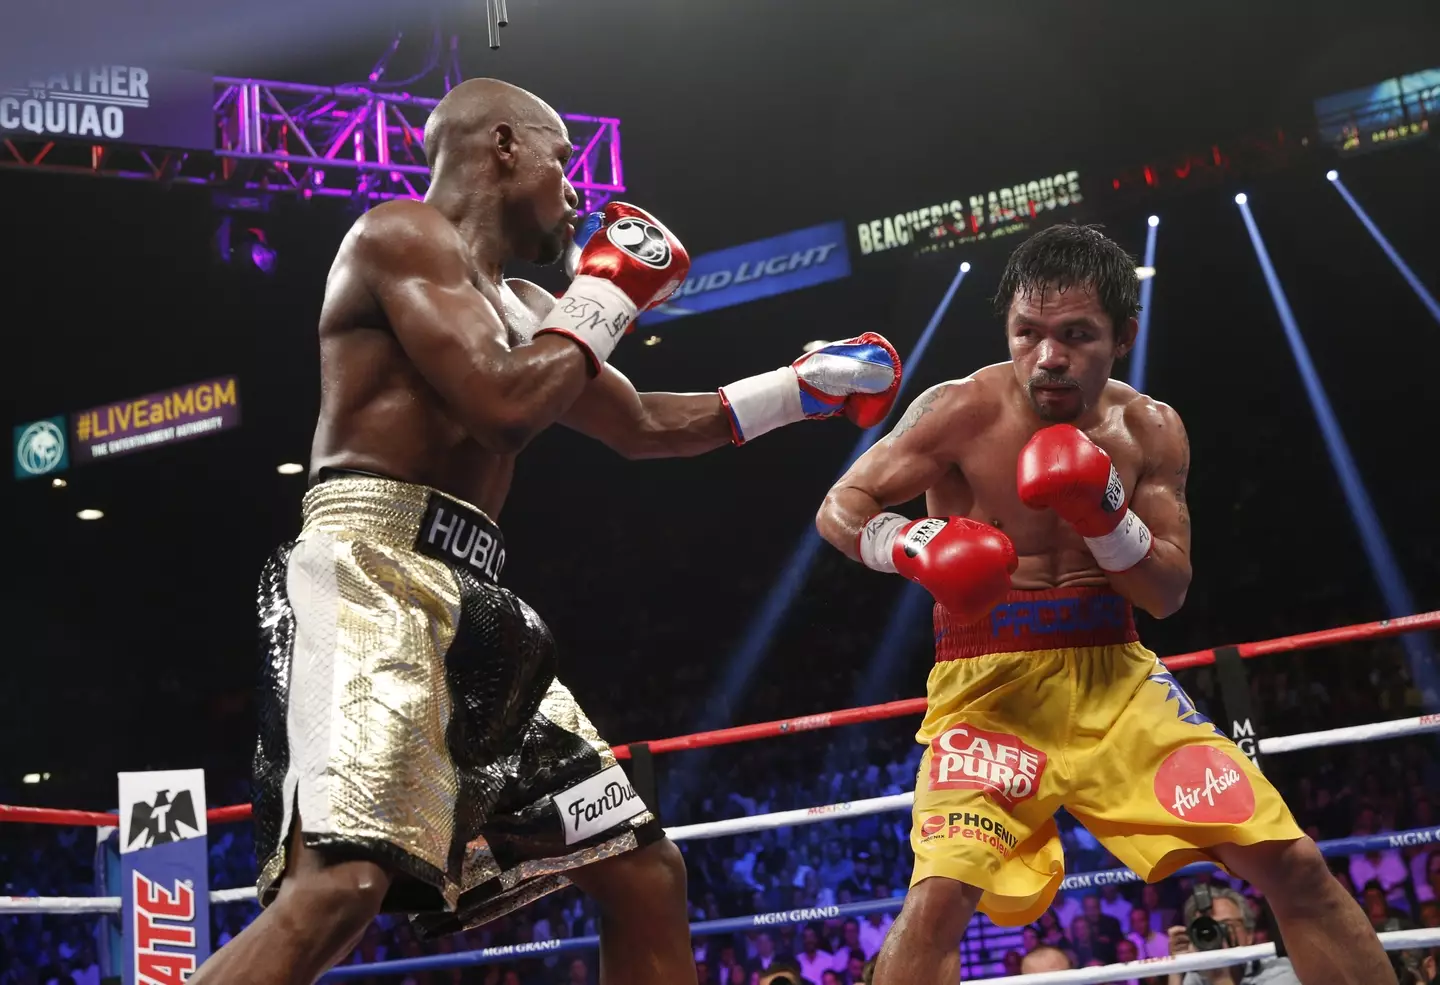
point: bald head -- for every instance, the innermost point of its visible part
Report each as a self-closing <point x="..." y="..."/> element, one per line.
<point x="473" y="109"/>
<point x="1045" y="958"/>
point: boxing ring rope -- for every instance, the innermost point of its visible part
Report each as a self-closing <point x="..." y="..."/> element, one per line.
<point x="874" y="805"/>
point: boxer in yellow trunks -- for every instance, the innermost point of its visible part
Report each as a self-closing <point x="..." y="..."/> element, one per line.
<point x="1057" y="501"/>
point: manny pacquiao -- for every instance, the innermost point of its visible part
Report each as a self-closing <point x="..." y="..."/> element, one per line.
<point x="416" y="752"/>
<point x="1057" y="502"/>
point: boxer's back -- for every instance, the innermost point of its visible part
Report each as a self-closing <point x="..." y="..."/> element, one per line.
<point x="378" y="413"/>
<point x="992" y="425"/>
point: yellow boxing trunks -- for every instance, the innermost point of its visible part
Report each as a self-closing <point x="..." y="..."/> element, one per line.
<point x="1052" y="702"/>
<point x="409" y="712"/>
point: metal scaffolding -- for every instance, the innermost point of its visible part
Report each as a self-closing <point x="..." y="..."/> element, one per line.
<point x="312" y="141"/>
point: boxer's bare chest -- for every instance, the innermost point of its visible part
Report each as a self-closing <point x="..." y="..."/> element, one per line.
<point x="980" y="484"/>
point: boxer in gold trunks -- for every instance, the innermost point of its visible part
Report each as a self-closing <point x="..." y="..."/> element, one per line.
<point x="416" y="752"/>
<point x="1057" y="500"/>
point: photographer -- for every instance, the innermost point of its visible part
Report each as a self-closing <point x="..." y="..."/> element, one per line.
<point x="1218" y="917"/>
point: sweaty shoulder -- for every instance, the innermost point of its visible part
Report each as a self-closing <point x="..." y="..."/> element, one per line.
<point x="404" y="237"/>
<point x="956" y="407"/>
<point x="1155" y="425"/>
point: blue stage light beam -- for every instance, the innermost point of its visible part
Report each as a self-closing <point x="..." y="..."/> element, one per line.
<point x="1147" y="287"/>
<point x="1383" y="566"/>
<point x="1421" y="291"/>
<point x="792" y="576"/>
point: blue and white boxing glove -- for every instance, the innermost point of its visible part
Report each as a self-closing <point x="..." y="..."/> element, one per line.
<point x="856" y="377"/>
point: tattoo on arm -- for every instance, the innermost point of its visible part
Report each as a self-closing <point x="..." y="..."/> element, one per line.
<point x="917" y="410"/>
<point x="1181" y="475"/>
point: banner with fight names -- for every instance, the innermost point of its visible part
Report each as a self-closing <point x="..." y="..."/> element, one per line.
<point x="164" y="879"/>
<point x="136" y="104"/>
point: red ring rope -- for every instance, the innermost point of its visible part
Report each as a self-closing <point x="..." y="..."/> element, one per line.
<point x="847" y="716"/>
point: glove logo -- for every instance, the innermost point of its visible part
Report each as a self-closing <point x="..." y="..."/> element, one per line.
<point x="642" y="240"/>
<point x="1114" y="492"/>
<point x="921" y="534"/>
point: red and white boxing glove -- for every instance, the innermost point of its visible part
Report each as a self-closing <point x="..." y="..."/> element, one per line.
<point x="856" y="377"/>
<point x="965" y="564"/>
<point x="630" y="263"/>
<point x="1063" y="470"/>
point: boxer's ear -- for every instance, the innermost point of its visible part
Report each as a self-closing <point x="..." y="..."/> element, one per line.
<point x="1125" y="337"/>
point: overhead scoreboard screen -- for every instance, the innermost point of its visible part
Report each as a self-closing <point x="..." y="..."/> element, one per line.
<point x="1384" y="114"/>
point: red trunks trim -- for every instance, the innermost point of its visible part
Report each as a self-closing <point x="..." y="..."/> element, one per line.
<point x="1048" y="620"/>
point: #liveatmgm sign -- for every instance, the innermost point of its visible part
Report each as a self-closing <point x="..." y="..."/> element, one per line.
<point x="163" y="418"/>
<point x="137" y="104"/>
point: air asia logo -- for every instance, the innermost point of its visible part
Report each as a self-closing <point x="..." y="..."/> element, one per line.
<point x="176" y="908"/>
<point x="1185" y="708"/>
<point x="968" y="758"/>
<point x="1204" y="785"/>
<point x="159" y="823"/>
<point x="642" y="240"/>
<point x="921" y="534"/>
<point x="970" y="827"/>
<point x="1114" y="492"/>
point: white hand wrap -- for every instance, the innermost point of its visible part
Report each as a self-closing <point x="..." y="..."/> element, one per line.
<point x="593" y="312"/>
<point x="1124" y="547"/>
<point x="763" y="403"/>
<point x="877" y="541"/>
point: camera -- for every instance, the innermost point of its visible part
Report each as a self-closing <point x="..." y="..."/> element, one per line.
<point x="1204" y="931"/>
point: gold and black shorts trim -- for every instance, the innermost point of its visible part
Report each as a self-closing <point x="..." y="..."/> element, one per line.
<point x="409" y="712"/>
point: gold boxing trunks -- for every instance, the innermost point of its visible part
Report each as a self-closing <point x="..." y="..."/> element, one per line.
<point x="409" y="711"/>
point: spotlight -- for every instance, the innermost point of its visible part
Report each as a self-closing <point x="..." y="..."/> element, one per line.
<point x="30" y="778"/>
<point x="1144" y="273"/>
<point x="1154" y="221"/>
<point x="1332" y="175"/>
<point x="290" y="468"/>
<point x="261" y="255"/>
<point x="653" y="340"/>
<point x="90" y="514"/>
<point x="1241" y="199"/>
<point x="965" y="267"/>
<point x="58" y="483"/>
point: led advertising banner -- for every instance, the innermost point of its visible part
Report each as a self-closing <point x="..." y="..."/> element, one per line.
<point x="760" y="269"/>
<point x="979" y="216"/>
<point x="134" y="104"/>
<point x="1381" y="115"/>
<point x="164" y="418"/>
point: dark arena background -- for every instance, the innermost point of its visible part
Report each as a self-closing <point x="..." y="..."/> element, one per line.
<point x="926" y="140"/>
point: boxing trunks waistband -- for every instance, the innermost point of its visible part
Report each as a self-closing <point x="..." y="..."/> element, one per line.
<point x="408" y="516"/>
<point x="1044" y="620"/>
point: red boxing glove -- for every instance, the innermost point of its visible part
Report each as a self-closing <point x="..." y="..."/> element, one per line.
<point x="631" y="263"/>
<point x="965" y="564"/>
<point x="1061" y="469"/>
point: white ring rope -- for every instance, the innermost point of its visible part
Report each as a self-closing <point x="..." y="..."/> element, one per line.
<point x="779" y="819"/>
<point x="1355" y="733"/>
<point x="1395" y="940"/>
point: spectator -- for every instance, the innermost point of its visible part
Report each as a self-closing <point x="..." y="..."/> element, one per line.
<point x="874" y="929"/>
<point x="1162" y="917"/>
<point x="765" y="955"/>
<point x="86" y="971"/>
<point x="1045" y="959"/>
<point x="1125" y="952"/>
<point x="1066" y="908"/>
<point x="1383" y="916"/>
<point x="811" y="959"/>
<point x="1082" y="941"/>
<point x="1428" y="889"/>
<point x="736" y="974"/>
<point x="1237" y="915"/>
<point x="579" y="973"/>
<point x="1105" y="930"/>
<point x="1114" y="905"/>
<point x="830" y="977"/>
<point x="1148" y="943"/>
<point x="1385" y="867"/>
<point x="849" y="945"/>
<point x="1029" y="938"/>
<point x="855" y="969"/>
<point x="1012" y="962"/>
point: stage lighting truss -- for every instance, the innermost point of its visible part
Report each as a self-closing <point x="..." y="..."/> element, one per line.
<point x="312" y="141"/>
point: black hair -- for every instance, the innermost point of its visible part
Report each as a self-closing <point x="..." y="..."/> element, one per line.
<point x="1070" y="255"/>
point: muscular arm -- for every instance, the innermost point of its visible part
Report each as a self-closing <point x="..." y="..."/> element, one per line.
<point x="1158" y="583"/>
<point x="896" y="469"/>
<point x="648" y="425"/>
<point x="415" y="265"/>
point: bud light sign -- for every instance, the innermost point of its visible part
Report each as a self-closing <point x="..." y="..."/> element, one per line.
<point x="758" y="270"/>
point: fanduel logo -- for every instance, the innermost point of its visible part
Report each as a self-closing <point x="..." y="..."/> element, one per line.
<point x="598" y="804"/>
<point x="968" y="758"/>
